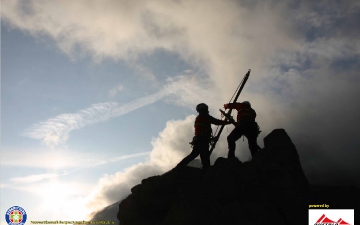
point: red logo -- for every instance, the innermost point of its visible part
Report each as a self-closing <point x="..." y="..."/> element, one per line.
<point x="323" y="220"/>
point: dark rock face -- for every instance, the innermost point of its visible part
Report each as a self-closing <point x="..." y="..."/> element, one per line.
<point x="105" y="216"/>
<point x="270" y="189"/>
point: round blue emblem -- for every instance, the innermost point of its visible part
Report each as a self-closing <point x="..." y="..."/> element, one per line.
<point x="15" y="216"/>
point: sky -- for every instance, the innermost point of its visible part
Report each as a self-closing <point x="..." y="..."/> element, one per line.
<point x="98" y="95"/>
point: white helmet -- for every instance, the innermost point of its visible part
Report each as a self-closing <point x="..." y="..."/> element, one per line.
<point x="247" y="103"/>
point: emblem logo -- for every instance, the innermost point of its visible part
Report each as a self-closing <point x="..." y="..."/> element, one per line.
<point x="324" y="220"/>
<point x="331" y="217"/>
<point x="15" y="216"/>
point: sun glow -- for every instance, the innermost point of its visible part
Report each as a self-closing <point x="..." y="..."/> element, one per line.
<point x="64" y="201"/>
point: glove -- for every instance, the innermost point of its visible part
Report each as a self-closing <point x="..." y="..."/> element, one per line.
<point x="226" y="106"/>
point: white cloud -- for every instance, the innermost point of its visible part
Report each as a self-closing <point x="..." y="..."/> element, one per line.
<point x="211" y="35"/>
<point x="291" y="49"/>
<point x="169" y="148"/>
<point x="68" y="161"/>
<point x="182" y="90"/>
<point x="55" y="131"/>
<point x="172" y="143"/>
<point x="292" y="84"/>
<point x="115" y="90"/>
<point x="227" y="38"/>
<point x="33" y="178"/>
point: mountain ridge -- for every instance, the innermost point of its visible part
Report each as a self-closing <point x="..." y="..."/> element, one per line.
<point x="270" y="189"/>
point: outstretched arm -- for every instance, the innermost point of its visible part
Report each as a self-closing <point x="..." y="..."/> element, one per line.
<point x="218" y="122"/>
<point x="236" y="105"/>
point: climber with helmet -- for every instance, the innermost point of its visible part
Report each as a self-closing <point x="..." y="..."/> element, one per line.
<point x="202" y="136"/>
<point x="246" y="125"/>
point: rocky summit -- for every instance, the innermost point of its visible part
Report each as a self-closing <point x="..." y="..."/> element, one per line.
<point x="270" y="189"/>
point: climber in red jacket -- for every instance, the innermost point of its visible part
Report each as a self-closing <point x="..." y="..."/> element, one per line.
<point x="246" y="125"/>
<point x="202" y="136"/>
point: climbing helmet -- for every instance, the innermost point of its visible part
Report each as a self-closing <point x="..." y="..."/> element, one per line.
<point x="201" y="107"/>
<point x="247" y="103"/>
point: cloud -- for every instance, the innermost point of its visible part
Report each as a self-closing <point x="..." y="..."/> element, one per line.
<point x="304" y="57"/>
<point x="189" y="90"/>
<point x="217" y="42"/>
<point x="33" y="178"/>
<point x="168" y="149"/>
<point x="115" y="90"/>
<point x="301" y="80"/>
<point x="182" y="90"/>
<point x="69" y="162"/>
<point x="55" y="131"/>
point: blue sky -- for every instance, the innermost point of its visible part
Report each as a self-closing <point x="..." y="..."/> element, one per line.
<point x="36" y="90"/>
<point x="97" y="96"/>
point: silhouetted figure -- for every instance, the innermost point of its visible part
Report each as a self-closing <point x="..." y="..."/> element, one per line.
<point x="202" y="136"/>
<point x="246" y="125"/>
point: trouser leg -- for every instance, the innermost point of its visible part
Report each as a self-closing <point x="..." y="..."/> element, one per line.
<point x="232" y="138"/>
<point x="194" y="153"/>
<point x="253" y="146"/>
<point x="205" y="155"/>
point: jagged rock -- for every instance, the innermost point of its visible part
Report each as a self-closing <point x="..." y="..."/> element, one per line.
<point x="155" y="195"/>
<point x="283" y="152"/>
<point x="269" y="189"/>
<point x="282" y="177"/>
<point x="105" y="216"/>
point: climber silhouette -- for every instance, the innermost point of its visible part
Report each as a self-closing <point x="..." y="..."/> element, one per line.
<point x="246" y="125"/>
<point x="202" y="136"/>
